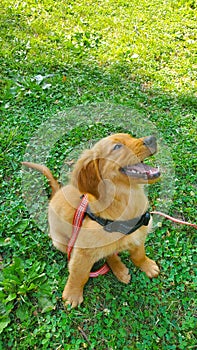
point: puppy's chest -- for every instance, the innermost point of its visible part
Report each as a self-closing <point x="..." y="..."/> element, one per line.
<point x="132" y="208"/>
<point x="134" y="239"/>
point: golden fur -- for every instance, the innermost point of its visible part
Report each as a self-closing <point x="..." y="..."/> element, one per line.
<point x="112" y="195"/>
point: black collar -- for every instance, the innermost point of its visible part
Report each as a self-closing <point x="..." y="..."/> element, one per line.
<point x="126" y="227"/>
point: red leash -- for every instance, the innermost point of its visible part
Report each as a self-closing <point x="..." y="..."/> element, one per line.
<point x="77" y="222"/>
<point x="173" y="219"/>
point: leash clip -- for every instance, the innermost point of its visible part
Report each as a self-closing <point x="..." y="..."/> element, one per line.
<point x="146" y="218"/>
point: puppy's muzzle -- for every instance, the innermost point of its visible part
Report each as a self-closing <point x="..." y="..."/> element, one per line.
<point x="151" y="143"/>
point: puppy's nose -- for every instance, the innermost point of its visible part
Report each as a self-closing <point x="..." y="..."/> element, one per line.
<point x="151" y="142"/>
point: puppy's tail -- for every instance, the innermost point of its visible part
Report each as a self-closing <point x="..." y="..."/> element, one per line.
<point x="46" y="172"/>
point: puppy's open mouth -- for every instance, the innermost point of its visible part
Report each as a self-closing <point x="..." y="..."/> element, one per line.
<point x="141" y="171"/>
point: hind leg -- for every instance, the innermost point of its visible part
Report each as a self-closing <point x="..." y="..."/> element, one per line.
<point x="140" y="259"/>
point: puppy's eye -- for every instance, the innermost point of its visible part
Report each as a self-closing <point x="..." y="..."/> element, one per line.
<point x="117" y="146"/>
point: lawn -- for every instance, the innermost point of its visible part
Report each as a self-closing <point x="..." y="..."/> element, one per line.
<point x="71" y="73"/>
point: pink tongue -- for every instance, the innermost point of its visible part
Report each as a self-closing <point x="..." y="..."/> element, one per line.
<point x="141" y="170"/>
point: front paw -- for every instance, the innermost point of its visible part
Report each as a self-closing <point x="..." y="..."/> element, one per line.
<point x="122" y="274"/>
<point x="150" y="268"/>
<point x="72" y="296"/>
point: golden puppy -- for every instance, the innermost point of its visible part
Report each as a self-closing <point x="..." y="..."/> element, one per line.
<point x="112" y="175"/>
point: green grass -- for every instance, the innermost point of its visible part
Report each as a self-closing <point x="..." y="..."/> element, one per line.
<point x="59" y="55"/>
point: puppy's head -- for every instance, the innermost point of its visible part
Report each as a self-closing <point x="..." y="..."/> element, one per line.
<point x="118" y="158"/>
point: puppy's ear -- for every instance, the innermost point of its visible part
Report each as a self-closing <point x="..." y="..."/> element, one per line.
<point x="88" y="178"/>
